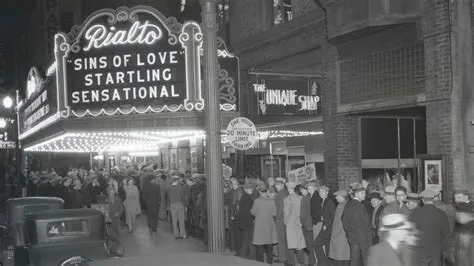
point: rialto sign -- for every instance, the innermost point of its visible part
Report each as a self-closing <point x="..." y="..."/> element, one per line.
<point x="285" y="96"/>
<point x="130" y="60"/>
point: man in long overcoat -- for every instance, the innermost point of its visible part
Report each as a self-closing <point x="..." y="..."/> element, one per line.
<point x="282" y="193"/>
<point x="434" y="227"/>
<point x="321" y="243"/>
<point x="356" y="223"/>
<point x="152" y="198"/>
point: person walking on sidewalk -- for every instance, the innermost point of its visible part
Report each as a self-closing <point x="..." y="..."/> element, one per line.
<point x="176" y="199"/>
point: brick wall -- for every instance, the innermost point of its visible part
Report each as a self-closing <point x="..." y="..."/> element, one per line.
<point x="341" y="133"/>
<point x="440" y="116"/>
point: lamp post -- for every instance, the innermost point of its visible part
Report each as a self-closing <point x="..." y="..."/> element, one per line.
<point x="215" y="188"/>
<point x="12" y="106"/>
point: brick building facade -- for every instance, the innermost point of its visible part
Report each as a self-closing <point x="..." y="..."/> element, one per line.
<point x="395" y="59"/>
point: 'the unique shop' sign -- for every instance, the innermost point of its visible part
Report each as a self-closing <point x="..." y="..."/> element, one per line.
<point x="283" y="96"/>
<point x="130" y="60"/>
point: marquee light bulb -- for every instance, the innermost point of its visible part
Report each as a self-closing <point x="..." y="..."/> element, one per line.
<point x="7" y="102"/>
<point x="3" y="123"/>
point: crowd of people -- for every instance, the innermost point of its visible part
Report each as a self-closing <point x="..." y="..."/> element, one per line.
<point x="280" y="221"/>
<point x="301" y="224"/>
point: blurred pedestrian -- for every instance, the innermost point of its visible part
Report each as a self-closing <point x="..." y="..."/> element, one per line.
<point x="387" y="252"/>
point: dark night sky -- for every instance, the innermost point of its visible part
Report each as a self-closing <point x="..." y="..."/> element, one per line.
<point x="12" y="16"/>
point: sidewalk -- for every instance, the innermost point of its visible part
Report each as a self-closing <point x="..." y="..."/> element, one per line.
<point x="143" y="249"/>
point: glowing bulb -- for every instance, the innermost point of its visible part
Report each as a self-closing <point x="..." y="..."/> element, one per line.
<point x="7" y="102"/>
<point x="3" y="123"/>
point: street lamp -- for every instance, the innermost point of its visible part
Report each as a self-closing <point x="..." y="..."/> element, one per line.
<point x="7" y="102"/>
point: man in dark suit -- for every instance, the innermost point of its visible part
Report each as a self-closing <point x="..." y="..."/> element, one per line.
<point x="328" y="208"/>
<point x="387" y="252"/>
<point x="434" y="227"/>
<point x="356" y="223"/>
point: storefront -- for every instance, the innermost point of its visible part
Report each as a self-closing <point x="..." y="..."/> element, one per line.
<point x="125" y="86"/>
<point x="287" y="113"/>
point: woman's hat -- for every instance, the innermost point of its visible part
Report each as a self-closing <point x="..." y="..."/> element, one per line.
<point x="395" y="222"/>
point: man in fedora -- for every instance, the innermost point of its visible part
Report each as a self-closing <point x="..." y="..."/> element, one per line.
<point x="434" y="227"/>
<point x="413" y="201"/>
<point x="388" y="251"/>
<point x="356" y="223"/>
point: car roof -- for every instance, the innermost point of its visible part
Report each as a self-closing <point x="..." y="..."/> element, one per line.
<point x="64" y="213"/>
<point x="33" y="201"/>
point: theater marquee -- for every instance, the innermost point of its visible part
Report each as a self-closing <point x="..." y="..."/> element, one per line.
<point x="130" y="60"/>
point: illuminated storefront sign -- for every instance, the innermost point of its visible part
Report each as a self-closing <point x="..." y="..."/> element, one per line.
<point x="135" y="60"/>
<point x="41" y="101"/>
<point x="292" y="97"/>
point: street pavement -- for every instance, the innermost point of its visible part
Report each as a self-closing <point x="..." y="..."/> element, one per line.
<point x="162" y="248"/>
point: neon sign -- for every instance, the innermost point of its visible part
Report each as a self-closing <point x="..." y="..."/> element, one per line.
<point x="99" y="36"/>
<point x="287" y="97"/>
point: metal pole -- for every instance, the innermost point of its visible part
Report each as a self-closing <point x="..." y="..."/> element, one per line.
<point x="215" y="191"/>
<point x="399" y="150"/>
<point x="412" y="181"/>
<point x="18" y="160"/>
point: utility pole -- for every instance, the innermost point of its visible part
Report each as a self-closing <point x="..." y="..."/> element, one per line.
<point x="215" y="188"/>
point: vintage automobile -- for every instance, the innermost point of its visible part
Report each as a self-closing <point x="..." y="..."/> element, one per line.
<point x="18" y="208"/>
<point x="13" y="232"/>
<point x="63" y="237"/>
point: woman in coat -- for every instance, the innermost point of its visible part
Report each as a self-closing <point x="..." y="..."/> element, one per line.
<point x="265" y="234"/>
<point x="132" y="203"/>
<point x="339" y="249"/>
<point x="294" y="230"/>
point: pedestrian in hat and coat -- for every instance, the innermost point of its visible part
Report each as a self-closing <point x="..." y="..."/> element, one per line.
<point x="294" y="231"/>
<point x="356" y="223"/>
<point x="306" y="222"/>
<point x="464" y="235"/>
<point x="387" y="252"/>
<point x="434" y="227"/>
<point x="321" y="242"/>
<point x="280" y="196"/>
<point x="339" y="249"/>
<point x="265" y="231"/>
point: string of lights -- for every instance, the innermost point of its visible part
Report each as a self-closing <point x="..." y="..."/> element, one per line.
<point x="138" y="141"/>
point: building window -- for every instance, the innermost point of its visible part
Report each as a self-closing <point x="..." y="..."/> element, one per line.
<point x="282" y="11"/>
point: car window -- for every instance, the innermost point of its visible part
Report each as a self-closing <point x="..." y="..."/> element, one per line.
<point x="68" y="228"/>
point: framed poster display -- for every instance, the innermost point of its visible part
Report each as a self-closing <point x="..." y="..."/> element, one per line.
<point x="433" y="174"/>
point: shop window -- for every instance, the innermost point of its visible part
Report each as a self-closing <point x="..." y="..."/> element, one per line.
<point x="282" y="11"/>
<point x="389" y="148"/>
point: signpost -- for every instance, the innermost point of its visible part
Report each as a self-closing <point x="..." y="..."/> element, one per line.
<point x="241" y="133"/>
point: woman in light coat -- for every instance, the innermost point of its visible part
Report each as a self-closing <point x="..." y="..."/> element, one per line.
<point x="131" y="203"/>
<point x="294" y="230"/>
<point x="265" y="234"/>
<point x="339" y="249"/>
